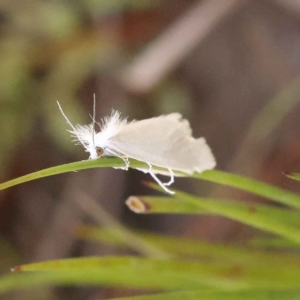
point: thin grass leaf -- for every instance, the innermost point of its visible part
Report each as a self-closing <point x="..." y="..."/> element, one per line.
<point x="295" y="176"/>
<point x="252" y="186"/>
<point x="166" y="274"/>
<point x="136" y="242"/>
<point x="198" y="249"/>
<point x="216" y="295"/>
<point x="274" y="243"/>
<point x="139" y="272"/>
<point x="91" y="277"/>
<point x="264" y="190"/>
<point x="71" y="167"/>
<point x="175" y="205"/>
<point x="158" y="205"/>
<point x="105" y="162"/>
<point x="276" y="221"/>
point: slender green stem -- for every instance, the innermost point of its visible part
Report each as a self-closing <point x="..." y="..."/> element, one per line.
<point x="262" y="189"/>
<point x="252" y="186"/>
<point x="71" y="167"/>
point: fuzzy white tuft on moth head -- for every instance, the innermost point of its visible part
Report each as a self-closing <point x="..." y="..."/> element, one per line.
<point x="165" y="141"/>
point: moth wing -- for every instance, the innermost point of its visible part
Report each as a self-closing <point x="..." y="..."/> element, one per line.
<point x="164" y="141"/>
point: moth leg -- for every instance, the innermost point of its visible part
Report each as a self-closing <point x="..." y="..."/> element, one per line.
<point x="171" y="178"/>
<point x="162" y="185"/>
<point x="126" y="161"/>
<point x="124" y="158"/>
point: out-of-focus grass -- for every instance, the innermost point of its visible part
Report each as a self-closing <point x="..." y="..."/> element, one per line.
<point x="228" y="271"/>
<point x="153" y="274"/>
<point x="199" y="250"/>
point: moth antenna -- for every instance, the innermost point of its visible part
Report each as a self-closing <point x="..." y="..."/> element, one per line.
<point x="94" y="119"/>
<point x="67" y="120"/>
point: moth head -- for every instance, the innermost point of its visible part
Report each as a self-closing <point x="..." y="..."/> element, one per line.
<point x="95" y="152"/>
<point x="96" y="143"/>
<point x="99" y="151"/>
<point x="85" y="135"/>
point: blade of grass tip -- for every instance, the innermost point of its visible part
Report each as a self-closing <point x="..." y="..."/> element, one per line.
<point x="121" y="232"/>
<point x="110" y="273"/>
<point x="295" y="176"/>
<point x="166" y="274"/>
<point x="259" y="218"/>
<point x="156" y="205"/>
<point x="153" y="204"/>
<point x="258" y="188"/>
<point x="144" y="272"/>
<point x="13" y="282"/>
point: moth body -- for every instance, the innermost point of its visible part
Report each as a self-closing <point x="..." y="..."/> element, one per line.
<point x="165" y="141"/>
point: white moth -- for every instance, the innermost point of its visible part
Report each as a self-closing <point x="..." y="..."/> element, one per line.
<point x="165" y="141"/>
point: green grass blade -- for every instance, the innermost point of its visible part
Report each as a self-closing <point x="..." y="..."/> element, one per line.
<point x="258" y="216"/>
<point x="252" y="186"/>
<point x="295" y="176"/>
<point x="198" y="249"/>
<point x="157" y="205"/>
<point x="176" y="205"/>
<point x="120" y="232"/>
<point x="273" y="193"/>
<point x="216" y="295"/>
<point x="92" y="277"/>
<point x="105" y="162"/>
<point x="273" y="243"/>
<point x="140" y="272"/>
<point x="276" y="221"/>
<point x="152" y="274"/>
<point x="71" y="167"/>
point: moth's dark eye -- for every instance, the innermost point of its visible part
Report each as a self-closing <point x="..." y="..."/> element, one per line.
<point x="99" y="151"/>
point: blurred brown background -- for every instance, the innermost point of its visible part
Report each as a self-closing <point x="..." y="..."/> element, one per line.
<point x="231" y="67"/>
